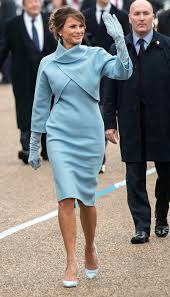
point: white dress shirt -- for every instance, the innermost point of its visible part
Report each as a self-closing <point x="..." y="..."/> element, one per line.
<point x="38" y="25"/>
<point x="99" y="11"/>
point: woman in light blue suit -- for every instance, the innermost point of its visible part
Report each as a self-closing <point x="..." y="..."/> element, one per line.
<point x="74" y="127"/>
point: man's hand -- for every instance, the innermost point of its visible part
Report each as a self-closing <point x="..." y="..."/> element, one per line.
<point x="112" y="135"/>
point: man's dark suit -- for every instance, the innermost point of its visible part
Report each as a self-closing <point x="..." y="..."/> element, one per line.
<point x="25" y="62"/>
<point x="164" y="22"/>
<point x="144" y="127"/>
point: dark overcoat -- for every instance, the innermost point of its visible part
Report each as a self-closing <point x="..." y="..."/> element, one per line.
<point x="25" y="62"/>
<point x="122" y="102"/>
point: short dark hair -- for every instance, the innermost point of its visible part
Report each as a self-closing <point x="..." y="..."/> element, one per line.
<point x="59" y="17"/>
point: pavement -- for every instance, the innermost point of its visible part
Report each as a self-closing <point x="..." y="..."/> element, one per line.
<point x="32" y="258"/>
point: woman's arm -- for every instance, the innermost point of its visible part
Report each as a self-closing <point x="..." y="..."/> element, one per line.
<point x="42" y="101"/>
<point x="40" y="114"/>
<point x="120" y="66"/>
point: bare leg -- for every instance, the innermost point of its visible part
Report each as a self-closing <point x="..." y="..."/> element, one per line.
<point x="88" y="219"/>
<point x="67" y="222"/>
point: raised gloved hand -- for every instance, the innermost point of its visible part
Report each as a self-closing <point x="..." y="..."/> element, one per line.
<point x="34" y="156"/>
<point x="114" y="29"/>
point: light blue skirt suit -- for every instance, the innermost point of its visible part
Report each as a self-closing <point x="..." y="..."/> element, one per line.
<point x="74" y="126"/>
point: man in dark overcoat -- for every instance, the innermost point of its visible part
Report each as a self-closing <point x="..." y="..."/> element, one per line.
<point x="29" y="40"/>
<point x="142" y="107"/>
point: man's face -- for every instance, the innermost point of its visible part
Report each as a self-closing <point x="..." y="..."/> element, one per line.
<point x="102" y="3"/>
<point x="32" y="7"/>
<point x="141" y="17"/>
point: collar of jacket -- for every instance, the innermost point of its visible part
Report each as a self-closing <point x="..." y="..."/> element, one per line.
<point x="64" y="56"/>
<point x="157" y="40"/>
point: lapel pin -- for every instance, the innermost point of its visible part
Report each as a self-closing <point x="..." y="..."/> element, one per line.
<point x="157" y="42"/>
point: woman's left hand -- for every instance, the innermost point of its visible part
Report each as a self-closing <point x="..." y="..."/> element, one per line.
<point x="114" y="28"/>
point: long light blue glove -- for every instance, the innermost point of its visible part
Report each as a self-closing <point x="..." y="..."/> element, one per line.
<point x="114" y="29"/>
<point x="34" y="156"/>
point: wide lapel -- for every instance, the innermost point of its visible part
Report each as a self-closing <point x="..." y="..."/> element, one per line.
<point x="113" y="9"/>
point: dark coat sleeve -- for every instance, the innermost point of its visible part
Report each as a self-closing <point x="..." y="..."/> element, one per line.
<point x="110" y="99"/>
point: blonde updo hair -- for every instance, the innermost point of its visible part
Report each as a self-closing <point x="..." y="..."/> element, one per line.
<point x="59" y="17"/>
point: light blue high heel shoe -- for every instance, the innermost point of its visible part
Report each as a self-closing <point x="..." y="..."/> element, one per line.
<point x="91" y="274"/>
<point x="70" y="284"/>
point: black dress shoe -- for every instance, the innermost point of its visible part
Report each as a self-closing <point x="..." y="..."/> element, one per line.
<point x="23" y="155"/>
<point x="140" y="237"/>
<point x="161" y="230"/>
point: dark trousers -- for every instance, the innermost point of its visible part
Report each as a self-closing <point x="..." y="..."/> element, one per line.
<point x="25" y="141"/>
<point x="137" y="194"/>
<point x="162" y="192"/>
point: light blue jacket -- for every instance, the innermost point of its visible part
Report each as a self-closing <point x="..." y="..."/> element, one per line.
<point x="82" y="64"/>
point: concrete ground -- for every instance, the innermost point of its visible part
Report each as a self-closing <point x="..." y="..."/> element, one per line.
<point x="32" y="260"/>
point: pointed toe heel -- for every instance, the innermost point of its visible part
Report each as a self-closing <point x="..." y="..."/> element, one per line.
<point x="91" y="274"/>
<point x="70" y="284"/>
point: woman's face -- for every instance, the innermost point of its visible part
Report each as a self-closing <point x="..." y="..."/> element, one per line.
<point x="72" y="32"/>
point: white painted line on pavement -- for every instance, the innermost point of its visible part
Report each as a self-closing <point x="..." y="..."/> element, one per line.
<point x="54" y="213"/>
<point x="28" y="224"/>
